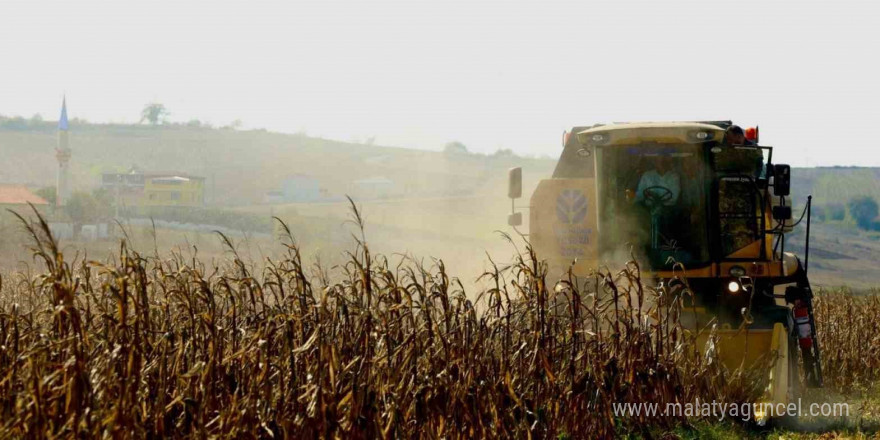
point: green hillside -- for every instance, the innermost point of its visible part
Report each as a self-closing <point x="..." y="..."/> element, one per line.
<point x="835" y="184"/>
<point x="241" y="166"/>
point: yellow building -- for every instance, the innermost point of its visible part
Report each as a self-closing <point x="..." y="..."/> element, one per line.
<point x="137" y="188"/>
<point x="173" y="190"/>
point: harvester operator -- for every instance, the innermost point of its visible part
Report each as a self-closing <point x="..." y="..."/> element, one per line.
<point x="660" y="183"/>
<point x="748" y="161"/>
<point x="736" y="136"/>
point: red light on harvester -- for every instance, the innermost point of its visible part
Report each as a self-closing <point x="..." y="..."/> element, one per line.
<point x="752" y="134"/>
<point x="565" y="136"/>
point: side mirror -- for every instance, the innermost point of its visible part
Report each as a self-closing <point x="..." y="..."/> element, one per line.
<point x="514" y="219"/>
<point x="781" y="180"/>
<point x="514" y="183"/>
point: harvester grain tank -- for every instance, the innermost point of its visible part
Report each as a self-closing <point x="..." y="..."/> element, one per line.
<point x="703" y="196"/>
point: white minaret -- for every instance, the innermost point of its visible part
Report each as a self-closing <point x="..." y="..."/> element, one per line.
<point x="62" y="191"/>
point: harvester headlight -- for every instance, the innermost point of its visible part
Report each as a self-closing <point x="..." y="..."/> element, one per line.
<point x="593" y="138"/>
<point x="737" y="271"/>
<point x="733" y="287"/>
<point x="701" y="136"/>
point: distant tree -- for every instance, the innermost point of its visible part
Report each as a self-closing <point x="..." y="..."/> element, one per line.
<point x="835" y="212"/>
<point x="105" y="201"/>
<point x="154" y="113"/>
<point x="863" y="210"/>
<point x="48" y="194"/>
<point x="455" y="147"/>
<point x="504" y="153"/>
<point x="819" y="214"/>
<point x="14" y="123"/>
<point x="198" y="123"/>
<point x="82" y="207"/>
<point x="234" y="125"/>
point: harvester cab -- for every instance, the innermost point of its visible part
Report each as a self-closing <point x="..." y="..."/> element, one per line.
<point x="702" y="200"/>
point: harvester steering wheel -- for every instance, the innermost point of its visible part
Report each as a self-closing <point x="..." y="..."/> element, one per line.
<point x="656" y="195"/>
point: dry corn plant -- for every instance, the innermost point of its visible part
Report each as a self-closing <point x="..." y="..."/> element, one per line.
<point x="147" y="347"/>
<point x="849" y="332"/>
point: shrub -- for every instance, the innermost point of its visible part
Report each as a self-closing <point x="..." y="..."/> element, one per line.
<point x="836" y="212"/>
<point x="48" y="193"/>
<point x="84" y="207"/>
<point x="455" y="148"/>
<point x="818" y="214"/>
<point x="863" y="210"/>
<point x="239" y="221"/>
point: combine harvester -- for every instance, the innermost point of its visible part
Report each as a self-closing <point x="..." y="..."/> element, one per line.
<point x="702" y="194"/>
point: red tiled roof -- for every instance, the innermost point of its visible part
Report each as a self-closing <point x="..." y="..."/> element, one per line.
<point x="19" y="195"/>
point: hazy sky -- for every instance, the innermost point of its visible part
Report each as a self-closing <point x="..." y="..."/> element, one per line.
<point x="505" y="74"/>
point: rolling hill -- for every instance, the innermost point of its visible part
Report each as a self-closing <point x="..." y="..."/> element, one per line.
<point x="242" y="166"/>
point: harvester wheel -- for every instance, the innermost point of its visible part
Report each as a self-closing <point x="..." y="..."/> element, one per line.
<point x="789" y="421"/>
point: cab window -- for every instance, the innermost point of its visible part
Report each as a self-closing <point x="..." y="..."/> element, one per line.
<point x="654" y="198"/>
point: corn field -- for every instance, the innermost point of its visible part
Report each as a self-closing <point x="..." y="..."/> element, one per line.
<point x="140" y="346"/>
<point x="850" y="336"/>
